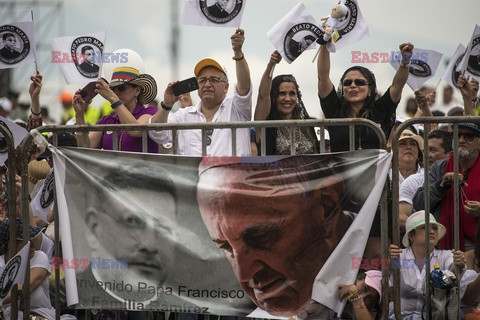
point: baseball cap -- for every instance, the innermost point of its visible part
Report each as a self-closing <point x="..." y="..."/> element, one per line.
<point x="207" y="62"/>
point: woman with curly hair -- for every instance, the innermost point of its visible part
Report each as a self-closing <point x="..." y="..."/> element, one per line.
<point x="280" y="99"/>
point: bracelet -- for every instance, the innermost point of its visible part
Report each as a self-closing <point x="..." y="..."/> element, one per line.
<point x="116" y="104"/>
<point x="35" y="114"/>
<point x="469" y="114"/>
<point x="240" y="58"/>
<point x="165" y="107"/>
<point x="354" y="297"/>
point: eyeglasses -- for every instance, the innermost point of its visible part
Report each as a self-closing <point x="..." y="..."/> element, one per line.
<point x="122" y="87"/>
<point x="358" y="82"/>
<point x="209" y="133"/>
<point x="468" y="136"/>
<point x="213" y="80"/>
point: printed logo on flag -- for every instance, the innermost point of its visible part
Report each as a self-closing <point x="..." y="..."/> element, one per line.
<point x="474" y="58"/>
<point x="299" y="38"/>
<point x="89" y="49"/>
<point x="15" y="45"/>
<point x="455" y="73"/>
<point x="419" y="68"/>
<point x="3" y="141"/>
<point x="47" y="191"/>
<point x="221" y="11"/>
<point x="9" y="274"/>
<point x="349" y="21"/>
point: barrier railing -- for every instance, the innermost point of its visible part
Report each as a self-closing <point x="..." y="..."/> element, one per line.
<point x="233" y="126"/>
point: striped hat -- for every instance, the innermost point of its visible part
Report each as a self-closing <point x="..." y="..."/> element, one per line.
<point x="130" y="75"/>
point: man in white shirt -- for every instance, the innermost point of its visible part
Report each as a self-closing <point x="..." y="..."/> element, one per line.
<point x="214" y="106"/>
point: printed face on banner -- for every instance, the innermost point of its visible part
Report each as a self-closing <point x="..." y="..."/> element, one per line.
<point x="300" y="38"/>
<point x="88" y="52"/>
<point x="276" y="228"/>
<point x="220" y="11"/>
<point x="14" y="44"/>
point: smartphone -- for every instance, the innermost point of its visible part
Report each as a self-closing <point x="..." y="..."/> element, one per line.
<point x="88" y="92"/>
<point x="185" y="86"/>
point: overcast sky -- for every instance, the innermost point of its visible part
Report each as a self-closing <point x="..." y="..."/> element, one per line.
<point x="144" y="26"/>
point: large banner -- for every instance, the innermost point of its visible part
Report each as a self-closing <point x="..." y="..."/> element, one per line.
<point x="219" y="235"/>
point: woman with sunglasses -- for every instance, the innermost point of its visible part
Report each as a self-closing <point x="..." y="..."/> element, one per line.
<point x="357" y="98"/>
<point x="280" y="99"/>
<point x="128" y="92"/>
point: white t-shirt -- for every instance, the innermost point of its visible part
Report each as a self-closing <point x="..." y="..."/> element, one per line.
<point x="233" y="108"/>
<point x="409" y="187"/>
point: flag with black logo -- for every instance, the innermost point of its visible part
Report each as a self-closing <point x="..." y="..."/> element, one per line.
<point x="451" y="74"/>
<point x="43" y="201"/>
<point x="349" y="29"/>
<point x="213" y="13"/>
<point x="423" y="65"/>
<point x="17" y="44"/>
<point x="80" y="57"/>
<point x="471" y="60"/>
<point x="14" y="271"/>
<point x="17" y="132"/>
<point x="296" y="32"/>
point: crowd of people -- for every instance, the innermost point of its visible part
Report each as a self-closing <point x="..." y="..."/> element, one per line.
<point x="130" y="96"/>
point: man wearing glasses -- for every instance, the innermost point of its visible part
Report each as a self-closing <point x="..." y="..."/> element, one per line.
<point x="214" y="106"/>
<point x="442" y="191"/>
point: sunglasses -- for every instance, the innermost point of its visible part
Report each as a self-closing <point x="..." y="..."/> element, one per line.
<point x="358" y="82"/>
<point x="213" y="80"/>
<point x="468" y="136"/>
<point x="122" y="87"/>
<point x="209" y="133"/>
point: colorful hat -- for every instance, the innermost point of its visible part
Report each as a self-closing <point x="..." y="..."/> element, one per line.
<point x="416" y="220"/>
<point x="131" y="75"/>
<point x="208" y="63"/>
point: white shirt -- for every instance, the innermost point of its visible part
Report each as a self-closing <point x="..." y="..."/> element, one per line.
<point x="409" y="187"/>
<point x="402" y="178"/>
<point x="233" y="108"/>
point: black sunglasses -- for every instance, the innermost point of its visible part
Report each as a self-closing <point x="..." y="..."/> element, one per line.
<point x="468" y="136"/>
<point x="122" y="87"/>
<point x="358" y="82"/>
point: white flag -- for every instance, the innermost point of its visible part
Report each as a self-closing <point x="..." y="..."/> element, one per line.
<point x="213" y="13"/>
<point x="18" y="133"/>
<point x="451" y="74"/>
<point x="17" y="44"/>
<point x="79" y="57"/>
<point x="350" y="29"/>
<point x="471" y="60"/>
<point x="14" y="271"/>
<point x="424" y="64"/>
<point x="341" y="266"/>
<point x="294" y="33"/>
<point x="43" y="201"/>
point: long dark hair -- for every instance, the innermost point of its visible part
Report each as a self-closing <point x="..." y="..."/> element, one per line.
<point x="372" y="84"/>
<point x="299" y="112"/>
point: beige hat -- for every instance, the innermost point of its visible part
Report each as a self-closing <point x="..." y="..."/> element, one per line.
<point x="407" y="134"/>
<point x="37" y="170"/>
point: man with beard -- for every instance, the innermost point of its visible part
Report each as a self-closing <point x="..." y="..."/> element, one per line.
<point x="442" y="191"/>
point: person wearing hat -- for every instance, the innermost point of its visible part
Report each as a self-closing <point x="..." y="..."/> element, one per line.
<point x="357" y="98"/>
<point x="214" y="106"/>
<point x="128" y="92"/>
<point x="364" y="295"/>
<point x="442" y="192"/>
<point x="39" y="270"/>
<point x="411" y="262"/>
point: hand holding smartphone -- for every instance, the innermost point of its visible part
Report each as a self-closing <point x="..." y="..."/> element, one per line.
<point x="88" y="92"/>
<point x="185" y="86"/>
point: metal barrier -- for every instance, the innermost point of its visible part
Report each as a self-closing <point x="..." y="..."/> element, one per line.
<point x="454" y="121"/>
<point x="292" y="124"/>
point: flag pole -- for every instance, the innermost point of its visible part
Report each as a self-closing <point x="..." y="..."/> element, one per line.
<point x="36" y="65"/>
